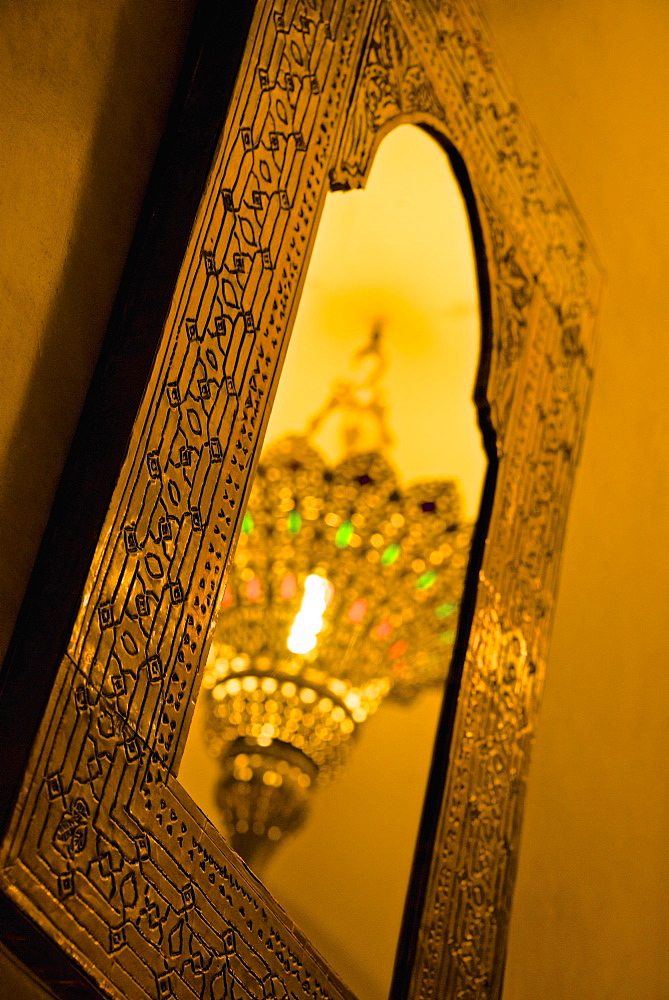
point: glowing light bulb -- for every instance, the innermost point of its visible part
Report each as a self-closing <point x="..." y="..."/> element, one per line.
<point x="309" y="619"/>
<point x="288" y="587"/>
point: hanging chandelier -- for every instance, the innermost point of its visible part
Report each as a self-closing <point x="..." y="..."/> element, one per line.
<point x="344" y="590"/>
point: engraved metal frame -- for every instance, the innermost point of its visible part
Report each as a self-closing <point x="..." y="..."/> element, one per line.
<point x="105" y="851"/>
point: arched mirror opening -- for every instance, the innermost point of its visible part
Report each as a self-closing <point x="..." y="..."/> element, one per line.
<point x="344" y="593"/>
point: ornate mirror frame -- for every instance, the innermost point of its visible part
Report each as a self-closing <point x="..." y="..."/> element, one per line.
<point x="104" y="851"/>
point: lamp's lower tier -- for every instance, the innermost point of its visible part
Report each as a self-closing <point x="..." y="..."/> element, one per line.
<point x="263" y="795"/>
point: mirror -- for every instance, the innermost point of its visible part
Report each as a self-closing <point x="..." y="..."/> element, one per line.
<point x="344" y="563"/>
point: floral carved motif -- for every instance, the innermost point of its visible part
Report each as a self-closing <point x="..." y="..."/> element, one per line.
<point x="393" y="83"/>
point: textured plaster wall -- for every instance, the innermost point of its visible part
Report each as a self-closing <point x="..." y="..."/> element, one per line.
<point x="84" y="90"/>
<point x="591" y="913"/>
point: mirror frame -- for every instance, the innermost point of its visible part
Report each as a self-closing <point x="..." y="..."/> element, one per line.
<point x="104" y="852"/>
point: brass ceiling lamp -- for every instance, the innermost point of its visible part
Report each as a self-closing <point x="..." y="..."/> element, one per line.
<point x="345" y="590"/>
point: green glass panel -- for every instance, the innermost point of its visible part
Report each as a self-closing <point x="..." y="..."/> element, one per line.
<point x="294" y="522"/>
<point x="426" y="580"/>
<point x="390" y="554"/>
<point x="344" y="532"/>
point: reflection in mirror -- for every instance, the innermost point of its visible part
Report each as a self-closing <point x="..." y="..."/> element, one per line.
<point x="344" y="593"/>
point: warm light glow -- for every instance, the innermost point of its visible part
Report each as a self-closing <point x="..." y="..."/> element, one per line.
<point x="383" y="629"/>
<point x="309" y="619"/>
<point x="288" y="587"/>
<point x="400" y="252"/>
<point x="398" y="649"/>
<point x="227" y="597"/>
<point x="357" y="611"/>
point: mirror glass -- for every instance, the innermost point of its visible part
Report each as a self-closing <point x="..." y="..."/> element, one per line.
<point x="312" y="737"/>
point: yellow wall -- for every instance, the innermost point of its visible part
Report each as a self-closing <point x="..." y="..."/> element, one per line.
<point x="591" y="914"/>
<point x="84" y="90"/>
